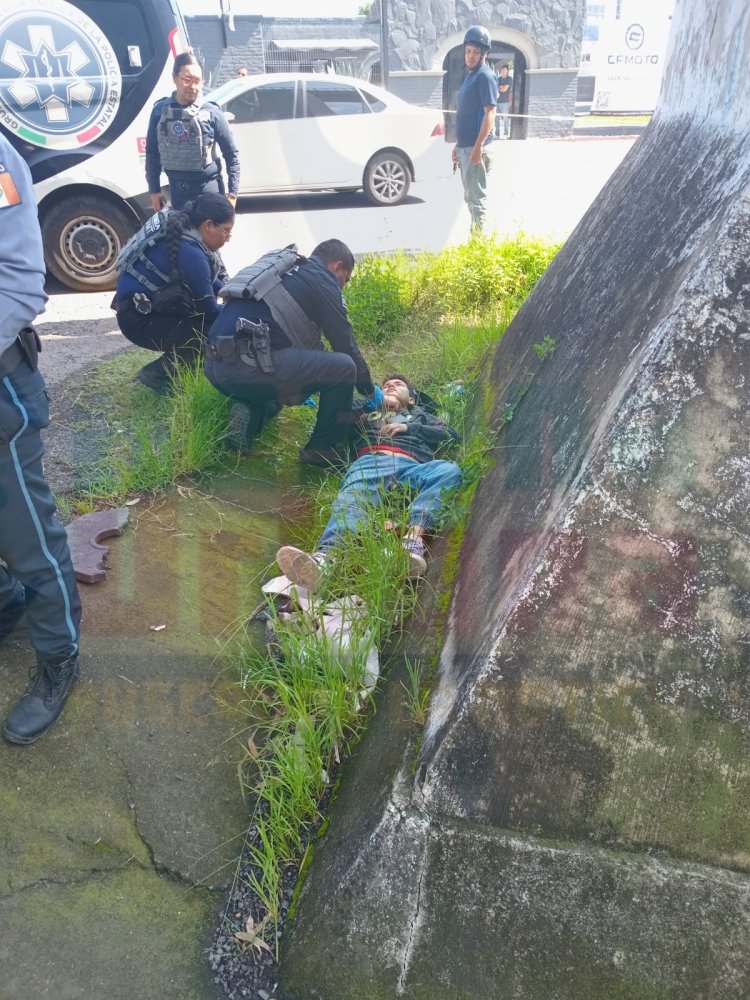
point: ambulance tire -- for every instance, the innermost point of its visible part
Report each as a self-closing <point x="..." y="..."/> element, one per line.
<point x="83" y="235"/>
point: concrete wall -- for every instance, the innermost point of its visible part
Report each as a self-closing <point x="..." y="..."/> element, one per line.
<point x="246" y="44"/>
<point x="551" y="97"/>
<point x="576" y="821"/>
<point x="418" y="88"/>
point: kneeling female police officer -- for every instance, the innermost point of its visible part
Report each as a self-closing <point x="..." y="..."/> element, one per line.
<point x="170" y="274"/>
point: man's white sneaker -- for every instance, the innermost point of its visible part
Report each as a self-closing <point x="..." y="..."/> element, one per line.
<point x="417" y="561"/>
<point x="303" y="568"/>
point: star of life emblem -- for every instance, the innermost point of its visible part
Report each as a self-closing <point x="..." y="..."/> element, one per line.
<point x="60" y="81"/>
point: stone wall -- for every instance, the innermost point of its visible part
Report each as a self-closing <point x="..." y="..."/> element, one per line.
<point x="547" y="33"/>
<point x="244" y="46"/>
<point x="418" y="27"/>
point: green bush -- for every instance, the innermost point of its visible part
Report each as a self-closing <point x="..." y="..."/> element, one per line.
<point x="378" y="297"/>
<point x="480" y="276"/>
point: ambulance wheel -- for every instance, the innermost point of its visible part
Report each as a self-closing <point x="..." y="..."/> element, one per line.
<point x="387" y="178"/>
<point x="82" y="237"/>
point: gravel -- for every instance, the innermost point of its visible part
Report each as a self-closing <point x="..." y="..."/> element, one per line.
<point x="253" y="973"/>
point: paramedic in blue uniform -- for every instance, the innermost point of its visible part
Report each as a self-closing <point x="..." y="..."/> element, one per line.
<point x="475" y="123"/>
<point x="37" y="577"/>
<point x="181" y="139"/>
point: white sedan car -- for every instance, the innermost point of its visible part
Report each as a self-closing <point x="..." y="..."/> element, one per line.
<point x="315" y="132"/>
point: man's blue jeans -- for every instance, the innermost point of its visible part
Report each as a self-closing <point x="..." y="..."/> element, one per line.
<point x="369" y="478"/>
<point x="502" y="113"/>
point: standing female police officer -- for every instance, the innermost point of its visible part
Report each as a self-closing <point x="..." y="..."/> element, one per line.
<point x="181" y="138"/>
<point x="38" y="575"/>
<point x="170" y="275"/>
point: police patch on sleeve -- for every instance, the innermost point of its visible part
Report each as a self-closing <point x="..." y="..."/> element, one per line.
<point x="8" y="191"/>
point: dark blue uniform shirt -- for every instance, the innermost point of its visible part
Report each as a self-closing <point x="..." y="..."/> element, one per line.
<point x="195" y="270"/>
<point x="318" y="293"/>
<point x="215" y="129"/>
<point x="22" y="295"/>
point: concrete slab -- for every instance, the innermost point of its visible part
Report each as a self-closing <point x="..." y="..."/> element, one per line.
<point x="119" y="935"/>
<point x="121" y="826"/>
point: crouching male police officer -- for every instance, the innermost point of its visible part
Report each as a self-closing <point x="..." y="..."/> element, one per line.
<point x="265" y="348"/>
<point x="37" y="577"/>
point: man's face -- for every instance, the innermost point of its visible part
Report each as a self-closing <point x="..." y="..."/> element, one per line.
<point x="473" y="55"/>
<point x="504" y="72"/>
<point x="396" y="395"/>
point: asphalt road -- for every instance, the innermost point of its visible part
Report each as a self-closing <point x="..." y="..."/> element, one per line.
<point x="540" y="187"/>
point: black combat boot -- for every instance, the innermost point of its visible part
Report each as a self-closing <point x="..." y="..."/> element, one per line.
<point x="44" y="700"/>
<point x="12" y="612"/>
<point x="157" y="375"/>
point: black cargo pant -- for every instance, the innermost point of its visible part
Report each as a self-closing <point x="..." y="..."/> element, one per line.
<point x="298" y="373"/>
<point x="175" y="335"/>
<point x="183" y="191"/>
<point x="33" y="543"/>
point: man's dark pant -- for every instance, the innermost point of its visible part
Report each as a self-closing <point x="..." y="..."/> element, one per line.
<point x="298" y="373"/>
<point x="181" y="192"/>
<point x="32" y="541"/>
<point x="175" y="335"/>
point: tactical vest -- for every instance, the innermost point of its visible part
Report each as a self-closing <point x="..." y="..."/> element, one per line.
<point x="262" y="281"/>
<point x="182" y="144"/>
<point x="134" y="252"/>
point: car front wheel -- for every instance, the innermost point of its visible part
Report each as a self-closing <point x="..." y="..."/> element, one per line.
<point x="387" y="179"/>
<point x="82" y="238"/>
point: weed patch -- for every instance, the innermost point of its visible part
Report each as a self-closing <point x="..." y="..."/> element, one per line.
<point x="308" y="700"/>
<point x="436" y="317"/>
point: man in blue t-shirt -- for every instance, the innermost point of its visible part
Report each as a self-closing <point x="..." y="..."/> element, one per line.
<point x="475" y="121"/>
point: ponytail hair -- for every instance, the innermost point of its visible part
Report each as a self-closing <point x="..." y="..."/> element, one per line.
<point x="206" y="207"/>
<point x="188" y="58"/>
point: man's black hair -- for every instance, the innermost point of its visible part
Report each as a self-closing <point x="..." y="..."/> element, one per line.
<point x="409" y="385"/>
<point x="333" y="251"/>
<point x="420" y="398"/>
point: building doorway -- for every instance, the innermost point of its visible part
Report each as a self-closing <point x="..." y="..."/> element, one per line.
<point x="501" y="54"/>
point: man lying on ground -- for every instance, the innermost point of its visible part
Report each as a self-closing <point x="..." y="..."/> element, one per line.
<point x="396" y="445"/>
